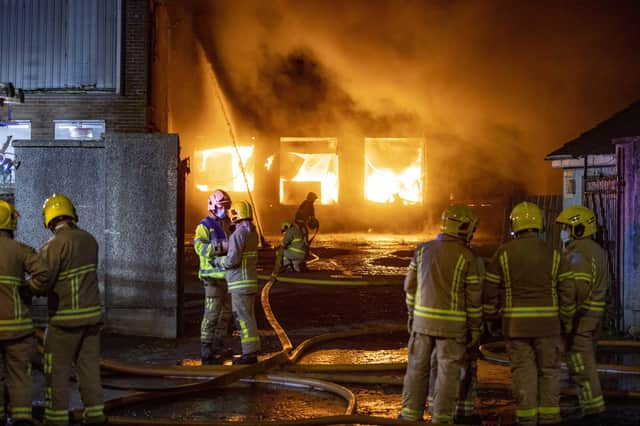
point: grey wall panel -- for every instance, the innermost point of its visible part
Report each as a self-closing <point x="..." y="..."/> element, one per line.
<point x="60" y="44"/>
<point x="125" y="191"/>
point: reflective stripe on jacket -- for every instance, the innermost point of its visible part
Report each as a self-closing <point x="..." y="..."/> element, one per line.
<point x="241" y="259"/>
<point x="583" y="288"/>
<point x="521" y="286"/>
<point x="74" y="297"/>
<point x="16" y="260"/>
<point x="211" y="240"/>
<point x="444" y="288"/>
<point x="294" y="243"/>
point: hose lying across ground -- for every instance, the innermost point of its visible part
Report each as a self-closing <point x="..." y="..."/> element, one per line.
<point x="317" y="377"/>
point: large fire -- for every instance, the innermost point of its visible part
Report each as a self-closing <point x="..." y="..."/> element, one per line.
<point x="394" y="170"/>
<point x="221" y="168"/>
<point x="308" y="164"/>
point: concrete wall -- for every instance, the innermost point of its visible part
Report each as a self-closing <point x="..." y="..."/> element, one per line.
<point x="124" y="190"/>
<point x="122" y="112"/>
<point x="631" y="232"/>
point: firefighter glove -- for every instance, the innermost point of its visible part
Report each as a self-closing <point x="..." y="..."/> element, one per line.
<point x="567" y="327"/>
<point x="410" y="323"/>
<point x="474" y="338"/>
<point x="25" y="293"/>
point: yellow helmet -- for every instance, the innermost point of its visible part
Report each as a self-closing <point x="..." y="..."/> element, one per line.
<point x="8" y="216"/>
<point x="240" y="210"/>
<point x="56" y="206"/>
<point x="581" y="220"/>
<point x="526" y="215"/>
<point x="285" y="225"/>
<point x="460" y="221"/>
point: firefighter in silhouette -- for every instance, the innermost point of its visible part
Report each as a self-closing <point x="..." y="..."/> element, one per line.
<point x="582" y="292"/>
<point x="520" y="285"/>
<point x="212" y="241"/>
<point x="444" y="304"/>
<point x="75" y="315"/>
<point x="16" y="328"/>
<point x="242" y="279"/>
<point x="290" y="255"/>
<point x="306" y="217"/>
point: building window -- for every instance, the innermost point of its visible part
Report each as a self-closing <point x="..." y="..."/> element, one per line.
<point x="85" y="130"/>
<point x="570" y="186"/>
<point x="9" y="132"/>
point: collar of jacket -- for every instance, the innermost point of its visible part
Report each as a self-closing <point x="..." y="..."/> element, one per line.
<point x="528" y="234"/>
<point x="446" y="237"/>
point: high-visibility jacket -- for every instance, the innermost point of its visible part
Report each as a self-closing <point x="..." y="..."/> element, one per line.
<point x="16" y="260"/>
<point x="241" y="259"/>
<point x="294" y="244"/>
<point x="443" y="288"/>
<point x="583" y="287"/>
<point x="74" y="296"/>
<point x="211" y="240"/>
<point x="521" y="286"/>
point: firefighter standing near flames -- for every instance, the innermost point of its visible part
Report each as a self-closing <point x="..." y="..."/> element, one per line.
<point x="16" y="327"/>
<point x="306" y="217"/>
<point x="212" y="241"/>
<point x="521" y="286"/>
<point x="242" y="278"/>
<point x="75" y="315"/>
<point x="444" y="303"/>
<point x="582" y="292"/>
<point x="293" y="248"/>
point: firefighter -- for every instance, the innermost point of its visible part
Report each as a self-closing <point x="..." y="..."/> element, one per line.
<point x="212" y="241"/>
<point x="444" y="303"/>
<point x="16" y="328"/>
<point x="293" y="247"/>
<point x="75" y="315"/>
<point x="520" y="284"/>
<point x="242" y="279"/>
<point x="582" y="291"/>
<point x="306" y="217"/>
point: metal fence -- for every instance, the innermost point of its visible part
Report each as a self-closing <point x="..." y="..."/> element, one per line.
<point x="601" y="196"/>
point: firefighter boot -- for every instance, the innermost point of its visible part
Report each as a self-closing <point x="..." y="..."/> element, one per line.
<point x="244" y="359"/>
<point x="209" y="356"/>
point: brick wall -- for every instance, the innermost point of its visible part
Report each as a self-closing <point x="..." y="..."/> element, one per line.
<point x="124" y="112"/>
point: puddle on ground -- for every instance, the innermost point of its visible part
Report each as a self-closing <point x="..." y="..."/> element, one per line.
<point x="242" y="402"/>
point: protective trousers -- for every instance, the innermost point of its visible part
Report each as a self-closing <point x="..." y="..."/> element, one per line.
<point x="468" y="383"/>
<point x="449" y="355"/>
<point x="584" y="373"/>
<point x="62" y="348"/>
<point x="217" y="313"/>
<point x="15" y="362"/>
<point x="243" y="306"/>
<point x="535" y="374"/>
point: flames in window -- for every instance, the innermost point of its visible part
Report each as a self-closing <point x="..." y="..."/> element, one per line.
<point x="308" y="164"/>
<point x="220" y="168"/>
<point x="394" y="170"/>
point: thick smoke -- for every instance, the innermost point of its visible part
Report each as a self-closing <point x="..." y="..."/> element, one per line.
<point x="492" y="86"/>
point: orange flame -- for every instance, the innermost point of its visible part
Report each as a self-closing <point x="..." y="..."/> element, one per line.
<point x="393" y="171"/>
<point x="208" y="168"/>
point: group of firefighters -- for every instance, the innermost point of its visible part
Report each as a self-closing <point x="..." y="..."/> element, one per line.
<point x="226" y="242"/>
<point x="549" y="304"/>
<point x="64" y="271"/>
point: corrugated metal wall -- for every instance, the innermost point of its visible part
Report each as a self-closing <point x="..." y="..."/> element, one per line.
<point x="60" y="44"/>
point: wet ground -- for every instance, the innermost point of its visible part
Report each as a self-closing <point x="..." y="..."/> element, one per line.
<point x="306" y="311"/>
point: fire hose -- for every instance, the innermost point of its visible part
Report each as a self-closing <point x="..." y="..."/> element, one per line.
<point x="213" y="377"/>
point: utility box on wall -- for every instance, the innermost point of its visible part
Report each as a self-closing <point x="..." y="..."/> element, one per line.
<point x="125" y="192"/>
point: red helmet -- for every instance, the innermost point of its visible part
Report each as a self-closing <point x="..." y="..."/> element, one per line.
<point x="218" y="198"/>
